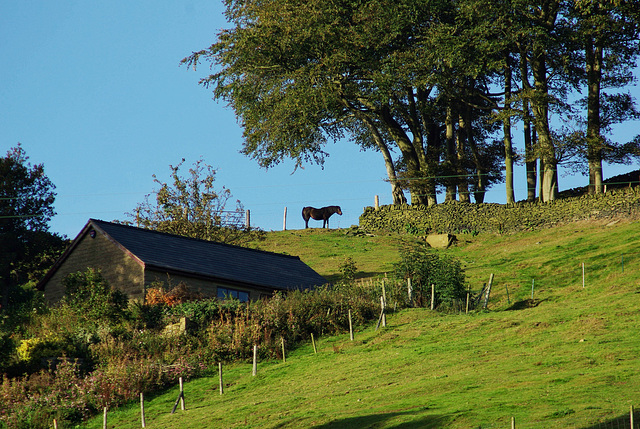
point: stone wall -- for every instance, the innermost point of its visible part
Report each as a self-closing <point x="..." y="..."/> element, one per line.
<point x="456" y="217"/>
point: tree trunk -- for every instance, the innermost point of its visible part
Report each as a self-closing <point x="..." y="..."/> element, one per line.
<point x="396" y="189"/>
<point x="450" y="193"/>
<point x="529" y="142"/>
<point x="531" y="158"/>
<point x="506" y="127"/>
<point x="593" y="57"/>
<point x="463" y="182"/>
<point x="480" y="182"/>
<point x="540" y="107"/>
<point x="416" y="186"/>
<point x="432" y="161"/>
<point x="431" y="150"/>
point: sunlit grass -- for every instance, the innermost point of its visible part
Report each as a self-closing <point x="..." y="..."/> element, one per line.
<point x="568" y="358"/>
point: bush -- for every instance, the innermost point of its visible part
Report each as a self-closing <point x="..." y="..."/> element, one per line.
<point x="33" y="350"/>
<point x="348" y="269"/>
<point x="174" y="295"/>
<point x="89" y="294"/>
<point x="147" y="316"/>
<point x="425" y="267"/>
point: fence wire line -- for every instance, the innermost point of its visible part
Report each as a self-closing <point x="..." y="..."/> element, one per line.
<point x="274" y="204"/>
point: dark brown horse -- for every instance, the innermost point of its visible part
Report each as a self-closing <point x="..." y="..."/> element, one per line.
<point x="319" y="214"/>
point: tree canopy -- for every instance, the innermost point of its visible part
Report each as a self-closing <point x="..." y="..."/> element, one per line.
<point x="26" y="207"/>
<point x="426" y="83"/>
<point x="192" y="206"/>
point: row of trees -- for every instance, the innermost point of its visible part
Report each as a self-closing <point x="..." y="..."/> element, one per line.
<point x="433" y="86"/>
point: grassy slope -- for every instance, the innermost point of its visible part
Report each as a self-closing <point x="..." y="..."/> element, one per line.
<point x="567" y="359"/>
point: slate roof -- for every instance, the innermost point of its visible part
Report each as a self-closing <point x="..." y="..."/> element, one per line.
<point x="209" y="259"/>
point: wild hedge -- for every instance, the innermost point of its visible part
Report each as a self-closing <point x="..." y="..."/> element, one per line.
<point x="457" y="217"/>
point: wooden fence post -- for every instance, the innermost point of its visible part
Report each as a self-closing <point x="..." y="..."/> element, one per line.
<point x="350" y="327"/>
<point x="467" y="312"/>
<point x="181" y="394"/>
<point x="315" y="350"/>
<point x="55" y="424"/>
<point x="384" y="316"/>
<point x="180" y="398"/>
<point x="220" y="377"/>
<point x="384" y="292"/>
<point x="284" y="358"/>
<point x="247" y="219"/>
<point x="631" y="416"/>
<point x="255" y="360"/>
<point x="410" y="292"/>
<point x="142" y="420"/>
<point x="513" y="422"/>
<point x="533" y="283"/>
<point x="583" y="274"/>
<point x="377" y="202"/>
<point x="284" y="220"/>
<point x="104" y="418"/>
<point x="433" y="295"/>
<point x="486" y="297"/>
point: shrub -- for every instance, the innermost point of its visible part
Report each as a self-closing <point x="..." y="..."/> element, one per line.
<point x="175" y="295"/>
<point x="89" y="294"/>
<point x="147" y="316"/>
<point x="7" y="351"/>
<point x="348" y="269"/>
<point x="34" y="349"/>
<point x="425" y="267"/>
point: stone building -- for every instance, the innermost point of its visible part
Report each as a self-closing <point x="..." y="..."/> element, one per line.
<point x="131" y="259"/>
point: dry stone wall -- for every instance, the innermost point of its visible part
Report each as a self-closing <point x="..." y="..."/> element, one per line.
<point x="457" y="217"/>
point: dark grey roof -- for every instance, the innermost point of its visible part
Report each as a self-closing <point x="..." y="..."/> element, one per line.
<point x="210" y="259"/>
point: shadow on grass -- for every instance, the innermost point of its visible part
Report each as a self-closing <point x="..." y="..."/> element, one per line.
<point x="622" y="422"/>
<point x="382" y="420"/>
<point x="526" y="303"/>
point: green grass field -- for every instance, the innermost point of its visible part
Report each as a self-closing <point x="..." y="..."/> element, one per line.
<point x="568" y="358"/>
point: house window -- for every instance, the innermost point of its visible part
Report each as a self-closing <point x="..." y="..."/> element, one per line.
<point x="224" y="293"/>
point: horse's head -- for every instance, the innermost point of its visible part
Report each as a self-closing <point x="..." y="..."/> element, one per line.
<point x="338" y="210"/>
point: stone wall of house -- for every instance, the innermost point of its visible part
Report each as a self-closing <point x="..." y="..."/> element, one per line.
<point x="205" y="287"/>
<point x="456" y="217"/>
<point x="119" y="269"/>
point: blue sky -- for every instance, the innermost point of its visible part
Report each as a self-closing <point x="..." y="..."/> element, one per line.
<point x="95" y="91"/>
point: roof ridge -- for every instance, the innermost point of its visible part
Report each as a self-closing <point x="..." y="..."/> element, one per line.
<point x="153" y="231"/>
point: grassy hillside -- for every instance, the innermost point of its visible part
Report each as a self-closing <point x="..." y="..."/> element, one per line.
<point x="568" y="358"/>
<point x="325" y="250"/>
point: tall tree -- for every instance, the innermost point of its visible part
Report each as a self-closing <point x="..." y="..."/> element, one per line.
<point x="609" y="32"/>
<point x="297" y="72"/>
<point x="508" y="145"/>
<point x="543" y="18"/>
<point x="26" y="207"/>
